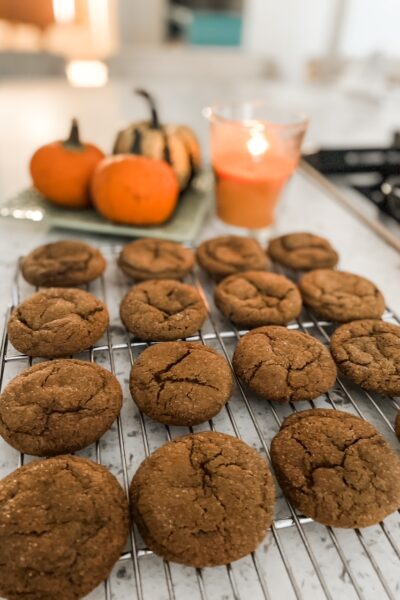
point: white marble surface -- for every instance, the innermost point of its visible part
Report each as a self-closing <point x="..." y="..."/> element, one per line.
<point x="31" y="115"/>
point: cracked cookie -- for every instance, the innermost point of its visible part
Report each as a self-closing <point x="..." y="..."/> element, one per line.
<point x="336" y="468"/>
<point x="302" y="252"/>
<point x="57" y="322"/>
<point x="256" y="298"/>
<point x="281" y="364"/>
<point x="203" y="500"/>
<point x="228" y="254"/>
<point x="63" y="525"/>
<point x="59" y="406"/>
<point x="340" y="296"/>
<point x="368" y="352"/>
<point x="163" y="310"/>
<point x="180" y="383"/>
<point x="397" y="425"/>
<point x="67" y="263"/>
<point x="155" y="259"/>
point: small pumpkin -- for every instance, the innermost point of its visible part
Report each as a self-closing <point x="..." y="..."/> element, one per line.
<point x="176" y="144"/>
<point x="135" y="190"/>
<point x="62" y="170"/>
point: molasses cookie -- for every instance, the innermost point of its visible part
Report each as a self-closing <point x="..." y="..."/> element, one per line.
<point x="368" y="352"/>
<point x="228" y="254"/>
<point x="62" y="264"/>
<point x="281" y="364"/>
<point x="163" y="310"/>
<point x="256" y="298"/>
<point x="180" y="383"/>
<point x="57" y="322"/>
<point x="203" y="500"/>
<point x="397" y="425"/>
<point x="155" y="259"/>
<point x="63" y="525"/>
<point x="302" y="252"/>
<point x="340" y="296"/>
<point x="59" y="406"/>
<point x="336" y="468"/>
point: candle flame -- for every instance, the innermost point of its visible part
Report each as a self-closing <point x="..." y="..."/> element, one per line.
<point x="257" y="144"/>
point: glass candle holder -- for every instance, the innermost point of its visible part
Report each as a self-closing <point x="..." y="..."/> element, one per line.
<point x="254" y="151"/>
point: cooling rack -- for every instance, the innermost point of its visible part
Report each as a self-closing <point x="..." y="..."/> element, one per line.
<point x="299" y="559"/>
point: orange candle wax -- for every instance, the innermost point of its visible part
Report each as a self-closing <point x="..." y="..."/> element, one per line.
<point x="248" y="187"/>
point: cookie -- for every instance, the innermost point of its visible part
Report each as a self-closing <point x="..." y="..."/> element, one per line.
<point x="163" y="310"/>
<point x="63" y="525"/>
<point x="281" y="364"/>
<point x="340" y="296"/>
<point x="66" y="263"/>
<point x="59" y="406"/>
<point x="336" y="468"/>
<point x="228" y="254"/>
<point x="302" y="252"/>
<point x="397" y="425"/>
<point x="256" y="298"/>
<point x="203" y="500"/>
<point x="57" y="322"/>
<point x="155" y="259"/>
<point x="368" y="352"/>
<point x="180" y="383"/>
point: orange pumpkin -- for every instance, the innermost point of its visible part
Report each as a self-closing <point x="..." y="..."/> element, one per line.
<point x="62" y="171"/>
<point x="135" y="190"/>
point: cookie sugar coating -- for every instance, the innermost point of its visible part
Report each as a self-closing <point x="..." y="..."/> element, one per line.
<point x="336" y="468"/>
<point x="62" y="264"/>
<point x="155" y="259"/>
<point x="256" y="298"/>
<point x="281" y="364"/>
<point x="57" y="322"/>
<point x="227" y="254"/>
<point x="368" y="352"/>
<point x="163" y="310"/>
<point x="341" y="296"/>
<point x="58" y="406"/>
<point x="302" y="251"/>
<point x="63" y="525"/>
<point x="205" y="499"/>
<point x="180" y="383"/>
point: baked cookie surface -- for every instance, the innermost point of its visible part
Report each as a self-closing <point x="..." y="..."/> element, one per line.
<point x="163" y="310"/>
<point x="180" y="383"/>
<point x="57" y="322"/>
<point x="205" y="499"/>
<point x="281" y="364"/>
<point x="228" y="254"/>
<point x="256" y="298"/>
<point x="66" y="263"/>
<point x="63" y="525"/>
<point x="368" y="352"/>
<point x="341" y="296"/>
<point x="58" y="406"/>
<point x="336" y="468"/>
<point x="303" y="251"/>
<point x="155" y="259"/>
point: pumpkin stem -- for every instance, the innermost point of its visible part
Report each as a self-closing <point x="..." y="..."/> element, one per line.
<point x="154" y="122"/>
<point x="73" y="139"/>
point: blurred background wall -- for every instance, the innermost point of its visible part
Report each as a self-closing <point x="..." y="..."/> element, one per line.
<point x="286" y="39"/>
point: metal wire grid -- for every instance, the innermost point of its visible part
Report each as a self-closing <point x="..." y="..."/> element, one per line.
<point x="300" y="559"/>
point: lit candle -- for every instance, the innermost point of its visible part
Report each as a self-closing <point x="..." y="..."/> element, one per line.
<point x="252" y="161"/>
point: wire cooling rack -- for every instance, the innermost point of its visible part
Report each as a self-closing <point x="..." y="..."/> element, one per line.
<point x="299" y="558"/>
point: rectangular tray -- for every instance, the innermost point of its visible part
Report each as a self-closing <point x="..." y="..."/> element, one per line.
<point x="184" y="226"/>
<point x="299" y="559"/>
